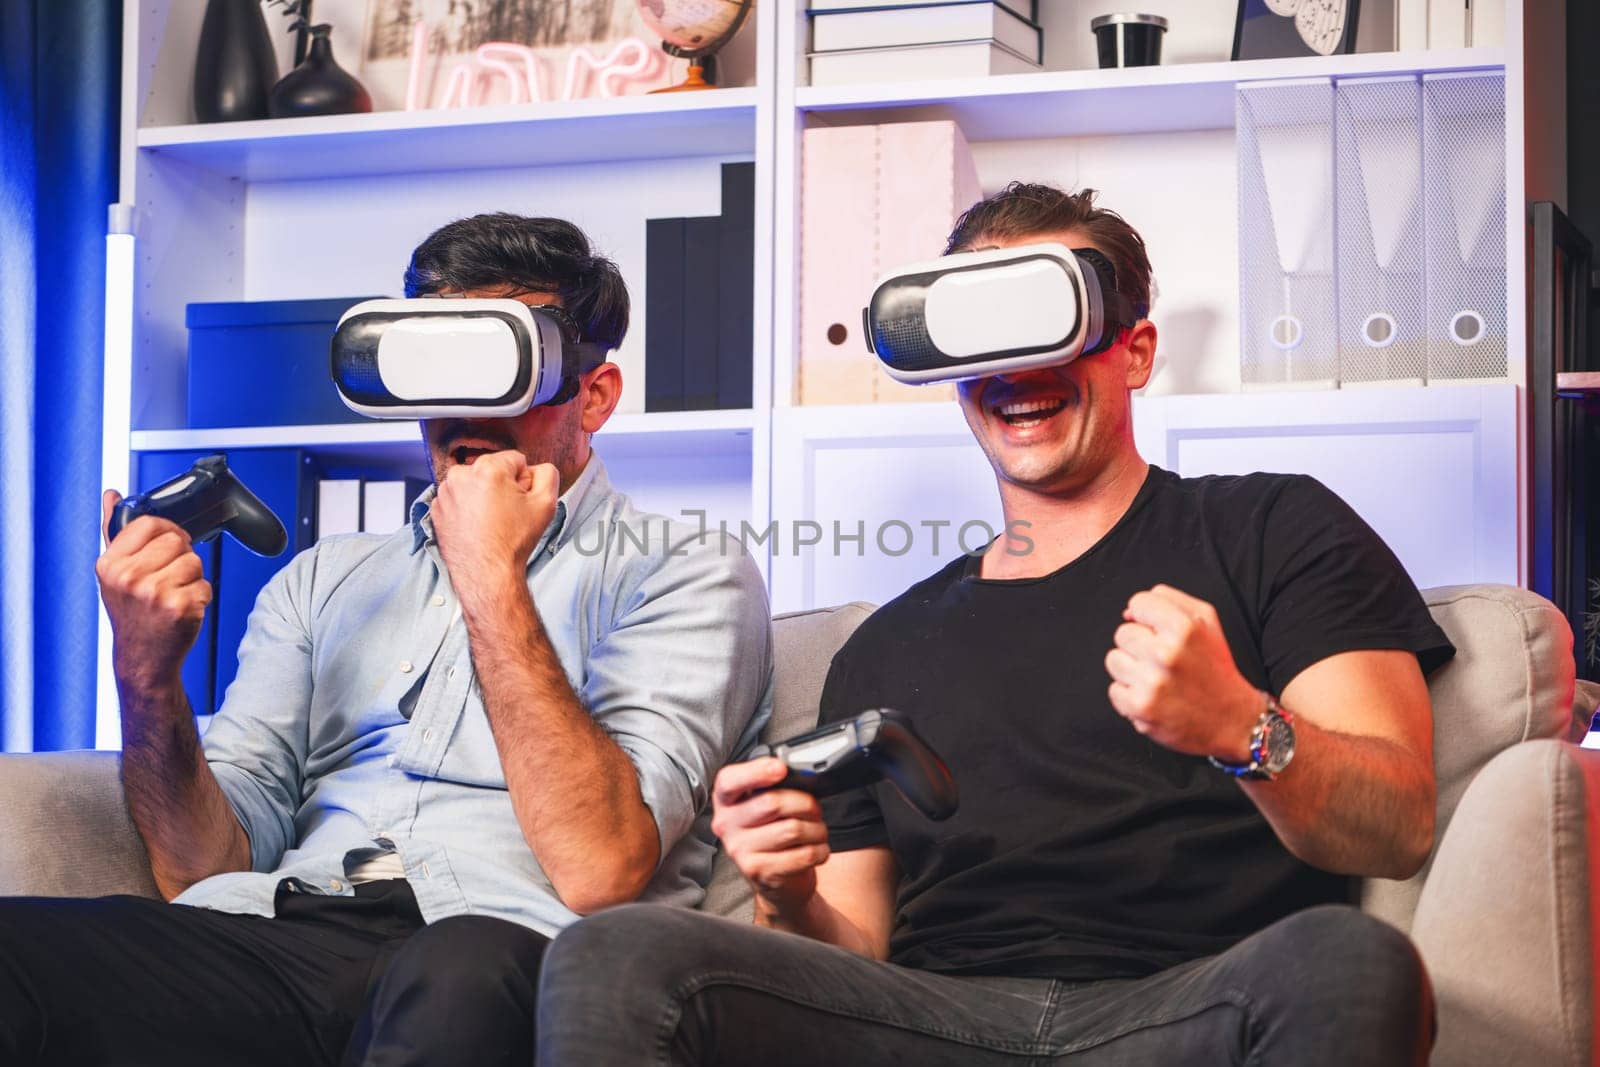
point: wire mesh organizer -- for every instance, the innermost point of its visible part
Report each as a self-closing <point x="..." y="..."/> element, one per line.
<point x="1464" y="160"/>
<point x="1287" y="321"/>
<point x="1378" y="208"/>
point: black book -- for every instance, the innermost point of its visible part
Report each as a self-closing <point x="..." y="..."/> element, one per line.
<point x="737" y="265"/>
<point x="663" y="315"/>
<point x="702" y="315"/>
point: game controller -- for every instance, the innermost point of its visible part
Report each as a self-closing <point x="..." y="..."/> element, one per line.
<point x="206" y="501"/>
<point x="871" y="747"/>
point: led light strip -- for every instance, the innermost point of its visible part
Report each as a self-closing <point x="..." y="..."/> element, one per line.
<point x="116" y="403"/>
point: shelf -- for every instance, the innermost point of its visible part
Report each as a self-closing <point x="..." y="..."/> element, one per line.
<point x="716" y="122"/>
<point x="669" y="432"/>
<point x="1193" y="96"/>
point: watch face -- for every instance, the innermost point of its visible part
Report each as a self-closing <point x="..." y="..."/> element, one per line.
<point x="1277" y="745"/>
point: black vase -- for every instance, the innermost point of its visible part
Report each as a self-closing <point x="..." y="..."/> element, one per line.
<point x="319" y="86"/>
<point x="234" y="68"/>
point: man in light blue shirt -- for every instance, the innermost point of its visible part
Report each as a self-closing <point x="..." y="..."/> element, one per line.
<point x="442" y="746"/>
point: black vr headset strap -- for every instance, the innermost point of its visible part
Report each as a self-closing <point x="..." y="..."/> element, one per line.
<point x="1110" y="311"/>
<point x="577" y="356"/>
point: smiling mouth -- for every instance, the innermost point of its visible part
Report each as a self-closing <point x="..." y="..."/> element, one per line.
<point x="1025" y="413"/>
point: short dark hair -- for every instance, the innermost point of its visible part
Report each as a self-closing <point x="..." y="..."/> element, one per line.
<point x="1025" y="208"/>
<point x="537" y="255"/>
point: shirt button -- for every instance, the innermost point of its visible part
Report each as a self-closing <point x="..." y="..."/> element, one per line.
<point x="438" y="601"/>
<point x="427" y="735"/>
<point x="425" y="872"/>
<point x="336" y="885"/>
<point x="451" y="673"/>
<point x="405" y="666"/>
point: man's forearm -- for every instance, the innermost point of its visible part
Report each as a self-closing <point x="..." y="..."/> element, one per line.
<point x="820" y="921"/>
<point x="575" y="792"/>
<point x="189" y="829"/>
<point x="1351" y="805"/>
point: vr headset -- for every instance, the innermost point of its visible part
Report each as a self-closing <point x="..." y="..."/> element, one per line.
<point x="433" y="358"/>
<point x="976" y="314"/>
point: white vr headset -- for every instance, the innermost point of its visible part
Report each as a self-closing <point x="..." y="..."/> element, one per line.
<point x="975" y="314"/>
<point x="432" y="358"/>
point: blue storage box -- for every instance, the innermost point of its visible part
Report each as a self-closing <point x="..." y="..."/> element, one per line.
<point x="264" y="363"/>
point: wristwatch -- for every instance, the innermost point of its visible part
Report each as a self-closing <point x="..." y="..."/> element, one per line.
<point x="1271" y="745"/>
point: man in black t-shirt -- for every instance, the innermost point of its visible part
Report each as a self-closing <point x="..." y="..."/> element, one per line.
<point x="1185" y="715"/>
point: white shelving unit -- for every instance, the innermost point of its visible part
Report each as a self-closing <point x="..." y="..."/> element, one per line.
<point x="720" y="123"/>
<point x="291" y="209"/>
<point x="1068" y="103"/>
<point x="1160" y="145"/>
<point x="286" y="209"/>
<point x="1447" y="448"/>
<point x="680" y="429"/>
<point x="1158" y="142"/>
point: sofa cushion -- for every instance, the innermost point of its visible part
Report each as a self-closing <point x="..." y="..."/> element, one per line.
<point x="1503" y="924"/>
<point x="1511" y="680"/>
<point x="66" y="828"/>
<point x="803" y="646"/>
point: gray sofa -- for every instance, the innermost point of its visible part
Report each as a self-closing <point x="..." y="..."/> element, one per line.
<point x="1501" y="912"/>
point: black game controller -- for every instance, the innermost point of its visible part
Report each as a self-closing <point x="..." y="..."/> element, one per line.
<point x="206" y="501"/>
<point x="873" y="746"/>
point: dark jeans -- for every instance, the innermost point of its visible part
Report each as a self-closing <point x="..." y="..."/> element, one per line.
<point x="352" y="980"/>
<point x="646" y="984"/>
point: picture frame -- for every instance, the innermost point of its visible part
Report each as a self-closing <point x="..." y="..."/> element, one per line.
<point x="444" y="53"/>
<point x="1280" y="29"/>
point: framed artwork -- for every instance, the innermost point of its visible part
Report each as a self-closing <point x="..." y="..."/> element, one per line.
<point x="459" y="26"/>
<point x="470" y="53"/>
<point x="1275" y="29"/>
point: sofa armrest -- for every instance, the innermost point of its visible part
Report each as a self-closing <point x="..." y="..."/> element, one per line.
<point x="65" y="828"/>
<point x="1503" y="922"/>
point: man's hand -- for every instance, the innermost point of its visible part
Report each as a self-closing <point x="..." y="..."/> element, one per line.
<point x="777" y="839"/>
<point x="489" y="515"/>
<point x="1174" y="679"/>
<point x="155" y="593"/>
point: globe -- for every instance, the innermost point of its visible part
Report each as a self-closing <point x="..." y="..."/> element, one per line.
<point x="694" y="30"/>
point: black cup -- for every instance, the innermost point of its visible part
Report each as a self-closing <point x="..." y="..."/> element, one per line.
<point x="1128" y="40"/>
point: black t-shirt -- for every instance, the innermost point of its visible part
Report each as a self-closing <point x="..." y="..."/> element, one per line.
<point x="1083" y="850"/>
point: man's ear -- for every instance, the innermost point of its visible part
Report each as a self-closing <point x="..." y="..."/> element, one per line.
<point x="598" y="393"/>
<point x="1141" y="347"/>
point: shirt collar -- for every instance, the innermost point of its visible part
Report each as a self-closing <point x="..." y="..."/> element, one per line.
<point x="586" y="494"/>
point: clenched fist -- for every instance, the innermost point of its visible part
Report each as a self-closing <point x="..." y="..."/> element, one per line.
<point x="489" y="515"/>
<point x="155" y="593"/>
<point x="1174" y="679"/>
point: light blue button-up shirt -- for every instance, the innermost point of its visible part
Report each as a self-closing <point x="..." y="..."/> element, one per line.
<point x="356" y="724"/>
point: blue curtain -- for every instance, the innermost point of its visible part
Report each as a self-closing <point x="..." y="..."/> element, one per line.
<point x="59" y="101"/>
